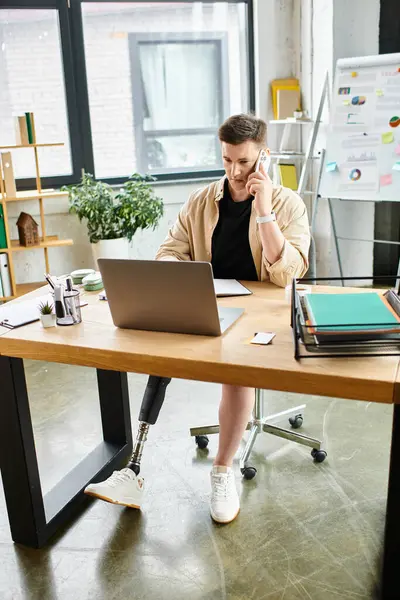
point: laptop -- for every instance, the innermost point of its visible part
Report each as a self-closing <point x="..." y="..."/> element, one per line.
<point x="168" y="296"/>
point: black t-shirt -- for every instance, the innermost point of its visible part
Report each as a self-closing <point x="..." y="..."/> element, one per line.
<point x="230" y="246"/>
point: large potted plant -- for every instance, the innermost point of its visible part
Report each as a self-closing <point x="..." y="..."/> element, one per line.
<point x="112" y="220"/>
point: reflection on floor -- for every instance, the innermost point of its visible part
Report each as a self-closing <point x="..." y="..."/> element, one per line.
<point x="304" y="530"/>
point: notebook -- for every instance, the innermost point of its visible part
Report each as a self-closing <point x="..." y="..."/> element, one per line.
<point x="230" y="287"/>
<point x="287" y="102"/>
<point x="288" y="176"/>
<point x="331" y="314"/>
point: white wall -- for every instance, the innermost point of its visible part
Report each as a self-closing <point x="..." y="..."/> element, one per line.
<point x="333" y="29"/>
<point x="275" y="48"/>
<point x="276" y="53"/>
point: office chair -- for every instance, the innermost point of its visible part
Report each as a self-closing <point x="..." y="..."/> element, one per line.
<point x="267" y="424"/>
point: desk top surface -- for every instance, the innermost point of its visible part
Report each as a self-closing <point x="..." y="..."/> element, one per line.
<point x="96" y="342"/>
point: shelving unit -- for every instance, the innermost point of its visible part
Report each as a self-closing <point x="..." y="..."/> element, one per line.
<point x="16" y="146"/>
<point x="283" y="153"/>
<point x="45" y="242"/>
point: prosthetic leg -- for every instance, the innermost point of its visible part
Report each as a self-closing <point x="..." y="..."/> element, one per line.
<point x="152" y="402"/>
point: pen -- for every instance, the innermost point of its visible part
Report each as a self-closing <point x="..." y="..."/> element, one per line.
<point x="70" y="295"/>
<point x="49" y="281"/>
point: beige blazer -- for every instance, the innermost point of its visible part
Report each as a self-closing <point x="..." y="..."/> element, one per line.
<point x="190" y="237"/>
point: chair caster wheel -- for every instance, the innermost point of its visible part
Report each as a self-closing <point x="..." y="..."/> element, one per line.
<point x="296" y="421"/>
<point x="249" y="472"/>
<point x="202" y="441"/>
<point x="318" y="455"/>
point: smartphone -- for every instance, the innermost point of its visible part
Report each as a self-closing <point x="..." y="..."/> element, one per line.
<point x="263" y="159"/>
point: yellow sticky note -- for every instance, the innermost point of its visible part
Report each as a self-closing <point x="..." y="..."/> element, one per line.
<point x="387" y="138"/>
<point x="119" y="35"/>
<point x="346" y="102"/>
<point x="379" y="92"/>
<point x="354" y="74"/>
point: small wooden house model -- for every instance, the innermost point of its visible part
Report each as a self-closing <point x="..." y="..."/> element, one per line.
<point x="28" y="230"/>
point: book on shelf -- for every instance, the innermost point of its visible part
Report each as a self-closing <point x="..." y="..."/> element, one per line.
<point x="3" y="237"/>
<point x="25" y="129"/>
<point x="32" y="119"/>
<point x="21" y="131"/>
<point x="5" y="275"/>
<point x="8" y="175"/>
<point x="30" y="122"/>
<point x="284" y="104"/>
<point x="288" y="176"/>
<point x="288" y="101"/>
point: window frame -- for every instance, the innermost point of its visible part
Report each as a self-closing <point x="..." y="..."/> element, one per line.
<point x="77" y="95"/>
<point x="61" y="7"/>
<point x="140" y="134"/>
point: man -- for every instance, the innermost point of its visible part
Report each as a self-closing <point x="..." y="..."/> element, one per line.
<point x="249" y="230"/>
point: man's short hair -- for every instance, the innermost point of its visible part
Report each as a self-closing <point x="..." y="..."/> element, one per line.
<point x="242" y="128"/>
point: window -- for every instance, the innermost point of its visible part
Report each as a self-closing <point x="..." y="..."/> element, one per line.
<point x="32" y="80"/>
<point x="127" y="86"/>
<point x="180" y="96"/>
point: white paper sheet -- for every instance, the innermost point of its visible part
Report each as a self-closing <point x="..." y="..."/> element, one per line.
<point x="263" y="338"/>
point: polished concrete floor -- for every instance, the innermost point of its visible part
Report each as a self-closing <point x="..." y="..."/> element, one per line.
<point x="305" y="531"/>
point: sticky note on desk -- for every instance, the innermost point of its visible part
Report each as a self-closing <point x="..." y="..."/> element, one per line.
<point x="379" y="92"/>
<point x="354" y="74"/>
<point x="331" y="166"/>
<point x="263" y="338"/>
<point x="396" y="166"/>
<point x="387" y="138"/>
<point x="397" y="150"/>
<point x="346" y="102"/>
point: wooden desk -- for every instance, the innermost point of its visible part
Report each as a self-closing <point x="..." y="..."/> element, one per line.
<point x="226" y="359"/>
<point x="114" y="352"/>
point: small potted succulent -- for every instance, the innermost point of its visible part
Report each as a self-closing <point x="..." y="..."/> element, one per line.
<point x="298" y="113"/>
<point x="47" y="316"/>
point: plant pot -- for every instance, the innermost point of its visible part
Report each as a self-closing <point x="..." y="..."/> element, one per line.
<point x="118" y="248"/>
<point x="298" y="114"/>
<point x="48" y="320"/>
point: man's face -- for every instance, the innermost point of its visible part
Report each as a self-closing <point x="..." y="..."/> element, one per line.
<point x="239" y="162"/>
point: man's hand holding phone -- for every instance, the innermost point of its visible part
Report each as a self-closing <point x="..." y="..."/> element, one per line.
<point x="259" y="185"/>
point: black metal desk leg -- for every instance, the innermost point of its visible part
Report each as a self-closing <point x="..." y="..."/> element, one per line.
<point x="114" y="406"/>
<point x="34" y="518"/>
<point x="391" y="553"/>
<point x="18" y="462"/>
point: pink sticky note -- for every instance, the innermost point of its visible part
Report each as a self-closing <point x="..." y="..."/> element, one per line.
<point x="386" y="179"/>
<point x="398" y="150"/>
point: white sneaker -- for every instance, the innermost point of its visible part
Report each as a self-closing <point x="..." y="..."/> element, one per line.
<point x="224" y="502"/>
<point x="122" y="487"/>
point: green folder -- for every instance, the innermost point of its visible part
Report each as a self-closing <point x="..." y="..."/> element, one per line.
<point x="29" y="127"/>
<point x="363" y="312"/>
<point x="3" y="239"/>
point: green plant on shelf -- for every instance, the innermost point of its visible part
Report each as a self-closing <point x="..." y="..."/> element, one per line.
<point x="45" y="308"/>
<point x="110" y="216"/>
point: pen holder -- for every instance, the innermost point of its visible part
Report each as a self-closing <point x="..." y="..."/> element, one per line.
<point x="72" y="309"/>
